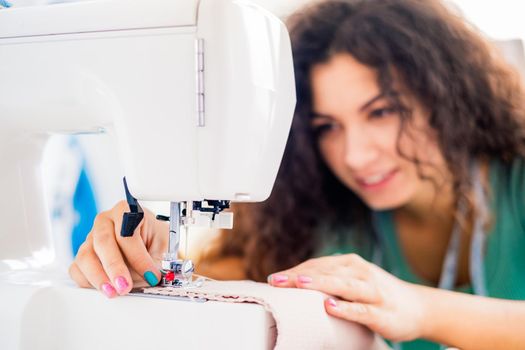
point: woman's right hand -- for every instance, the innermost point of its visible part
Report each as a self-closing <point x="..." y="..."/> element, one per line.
<point x="114" y="264"/>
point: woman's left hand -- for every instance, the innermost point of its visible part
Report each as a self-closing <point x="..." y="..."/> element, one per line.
<point x="363" y="293"/>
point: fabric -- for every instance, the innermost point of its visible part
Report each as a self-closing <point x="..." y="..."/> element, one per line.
<point x="504" y="259"/>
<point x="300" y="317"/>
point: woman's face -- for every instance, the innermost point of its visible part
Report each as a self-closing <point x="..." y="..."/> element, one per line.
<point x="358" y="132"/>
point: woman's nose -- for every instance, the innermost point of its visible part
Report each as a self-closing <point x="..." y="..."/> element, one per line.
<point x="359" y="149"/>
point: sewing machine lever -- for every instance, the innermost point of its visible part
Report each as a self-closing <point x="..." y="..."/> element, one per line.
<point x="132" y="219"/>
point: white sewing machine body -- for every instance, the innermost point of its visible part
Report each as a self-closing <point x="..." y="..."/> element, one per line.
<point x="200" y="97"/>
<point x="66" y="317"/>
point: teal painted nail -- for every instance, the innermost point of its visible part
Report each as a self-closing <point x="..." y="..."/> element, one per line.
<point x="151" y="278"/>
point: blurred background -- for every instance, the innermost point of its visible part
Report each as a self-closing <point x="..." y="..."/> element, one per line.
<point x="83" y="175"/>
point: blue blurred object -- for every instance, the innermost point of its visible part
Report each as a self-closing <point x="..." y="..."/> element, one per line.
<point x="5" y="3"/>
<point x="85" y="207"/>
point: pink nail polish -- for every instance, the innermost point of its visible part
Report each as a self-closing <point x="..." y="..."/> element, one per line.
<point x="108" y="290"/>
<point x="304" y="279"/>
<point x="121" y="284"/>
<point x="332" y="302"/>
<point x="279" y="278"/>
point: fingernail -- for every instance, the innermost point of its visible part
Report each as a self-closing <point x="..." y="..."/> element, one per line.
<point x="279" y="278"/>
<point x="304" y="279"/>
<point x="108" y="290"/>
<point x="151" y="278"/>
<point x="332" y="302"/>
<point x="269" y="279"/>
<point x="121" y="284"/>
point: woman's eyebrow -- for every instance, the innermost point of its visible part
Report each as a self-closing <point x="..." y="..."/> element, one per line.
<point x="371" y="101"/>
<point x="376" y="98"/>
<point x="367" y="104"/>
<point x="320" y="115"/>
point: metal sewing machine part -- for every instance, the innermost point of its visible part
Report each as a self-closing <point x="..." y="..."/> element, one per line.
<point x="208" y="213"/>
<point x="178" y="272"/>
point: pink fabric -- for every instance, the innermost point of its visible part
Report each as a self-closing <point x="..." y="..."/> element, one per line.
<point x="300" y="316"/>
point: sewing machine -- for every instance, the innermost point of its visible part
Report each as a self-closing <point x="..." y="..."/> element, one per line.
<point x="199" y="96"/>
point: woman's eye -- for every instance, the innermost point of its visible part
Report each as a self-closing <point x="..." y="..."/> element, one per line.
<point x="323" y="129"/>
<point x="382" y="112"/>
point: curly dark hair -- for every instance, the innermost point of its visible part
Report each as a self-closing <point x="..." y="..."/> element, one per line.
<point x="475" y="103"/>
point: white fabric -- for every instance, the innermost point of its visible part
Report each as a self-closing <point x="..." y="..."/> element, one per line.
<point x="300" y="316"/>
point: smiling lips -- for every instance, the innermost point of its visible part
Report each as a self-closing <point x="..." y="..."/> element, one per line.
<point x="375" y="181"/>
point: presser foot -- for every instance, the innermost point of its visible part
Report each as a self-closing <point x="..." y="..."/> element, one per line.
<point x="177" y="273"/>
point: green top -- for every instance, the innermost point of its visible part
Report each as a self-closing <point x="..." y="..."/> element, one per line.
<point x="505" y="245"/>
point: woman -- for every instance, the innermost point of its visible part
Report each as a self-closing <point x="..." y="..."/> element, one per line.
<point x="407" y="149"/>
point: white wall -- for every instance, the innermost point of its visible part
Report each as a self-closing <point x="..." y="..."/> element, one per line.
<point x="502" y="19"/>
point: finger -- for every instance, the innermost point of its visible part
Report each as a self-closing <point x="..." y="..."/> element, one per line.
<point x="350" y="264"/>
<point x="360" y="267"/>
<point x="284" y="279"/>
<point x="108" y="252"/>
<point x="315" y="267"/>
<point x="345" y="287"/>
<point x="288" y="278"/>
<point x="159" y="245"/>
<point x="139" y="259"/>
<point x="77" y="276"/>
<point x="364" y="314"/>
<point x="89" y="265"/>
<point x="134" y="248"/>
